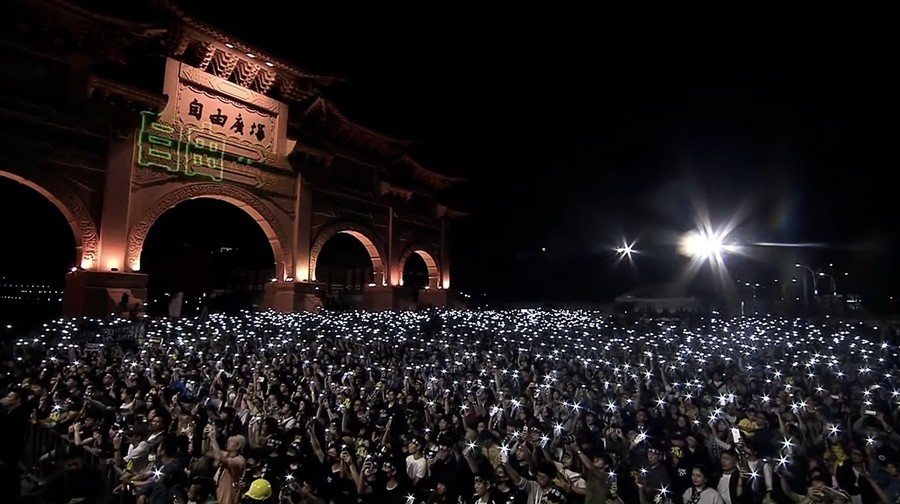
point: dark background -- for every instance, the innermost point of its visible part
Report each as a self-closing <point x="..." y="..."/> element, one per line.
<point x="579" y="129"/>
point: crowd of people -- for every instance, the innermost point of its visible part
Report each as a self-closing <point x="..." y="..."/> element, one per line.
<point x="482" y="407"/>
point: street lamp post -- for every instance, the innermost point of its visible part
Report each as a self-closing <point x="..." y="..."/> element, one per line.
<point x="805" y="290"/>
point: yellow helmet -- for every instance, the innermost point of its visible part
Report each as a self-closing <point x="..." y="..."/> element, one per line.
<point x="259" y="490"/>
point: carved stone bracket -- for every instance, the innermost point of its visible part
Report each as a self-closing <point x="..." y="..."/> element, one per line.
<point x="206" y="53"/>
<point x="281" y="245"/>
<point x="275" y="182"/>
<point x="204" y="80"/>
<point x="142" y="176"/>
<point x="369" y="240"/>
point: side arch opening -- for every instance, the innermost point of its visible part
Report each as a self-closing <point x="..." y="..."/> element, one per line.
<point x="419" y="269"/>
<point x="42" y="245"/>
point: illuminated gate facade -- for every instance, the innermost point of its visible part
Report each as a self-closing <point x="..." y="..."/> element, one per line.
<point x="117" y="121"/>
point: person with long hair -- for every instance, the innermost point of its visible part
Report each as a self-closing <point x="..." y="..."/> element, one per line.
<point x="700" y="492"/>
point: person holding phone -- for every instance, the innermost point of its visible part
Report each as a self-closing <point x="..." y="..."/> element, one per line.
<point x="731" y="483"/>
<point x="596" y="476"/>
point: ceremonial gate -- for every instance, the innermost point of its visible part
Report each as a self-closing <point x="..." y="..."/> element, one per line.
<point x="116" y="121"/>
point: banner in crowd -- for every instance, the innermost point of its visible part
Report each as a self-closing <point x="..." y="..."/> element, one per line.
<point x="113" y="333"/>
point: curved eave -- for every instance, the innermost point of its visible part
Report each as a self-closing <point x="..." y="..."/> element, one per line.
<point x="436" y="180"/>
<point x="118" y="94"/>
<point x="450" y="213"/>
<point x="426" y="176"/>
<point x="324" y="118"/>
<point x="327" y="110"/>
<point x="324" y="115"/>
<point x="456" y="214"/>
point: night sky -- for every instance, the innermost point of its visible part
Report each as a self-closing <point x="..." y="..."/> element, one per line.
<point x="574" y="136"/>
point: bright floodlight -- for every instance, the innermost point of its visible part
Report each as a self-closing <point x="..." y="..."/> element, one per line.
<point x="625" y="250"/>
<point x="702" y="245"/>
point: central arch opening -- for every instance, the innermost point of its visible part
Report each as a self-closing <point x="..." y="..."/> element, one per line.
<point x="34" y="261"/>
<point x="212" y="252"/>
<point x="345" y="268"/>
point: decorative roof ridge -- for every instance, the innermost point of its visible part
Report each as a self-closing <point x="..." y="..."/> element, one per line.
<point x="224" y="38"/>
<point x="71" y="6"/>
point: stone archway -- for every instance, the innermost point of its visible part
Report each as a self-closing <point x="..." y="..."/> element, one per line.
<point x="87" y="239"/>
<point x="366" y="237"/>
<point x="247" y="202"/>
<point x="428" y="255"/>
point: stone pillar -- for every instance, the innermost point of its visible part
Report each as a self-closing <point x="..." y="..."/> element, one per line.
<point x="445" y="255"/>
<point x="380" y="298"/>
<point x="98" y="292"/>
<point x="434" y="297"/>
<point x="303" y="206"/>
<point x="116" y="203"/>
<point x="292" y="296"/>
<point x="394" y="275"/>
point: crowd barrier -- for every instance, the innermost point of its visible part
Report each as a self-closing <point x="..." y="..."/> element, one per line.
<point x="46" y="449"/>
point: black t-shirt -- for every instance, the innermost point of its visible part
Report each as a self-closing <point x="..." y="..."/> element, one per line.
<point x="513" y="496"/>
<point x="331" y="480"/>
<point x="681" y="477"/>
<point x="171" y="475"/>
<point x="396" y="495"/>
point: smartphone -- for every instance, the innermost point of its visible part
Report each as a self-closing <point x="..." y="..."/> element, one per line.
<point x="736" y="435"/>
<point x="870" y="412"/>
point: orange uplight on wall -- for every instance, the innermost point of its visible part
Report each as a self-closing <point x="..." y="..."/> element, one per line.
<point x="87" y="263"/>
<point x="135" y="265"/>
<point x="446" y="283"/>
